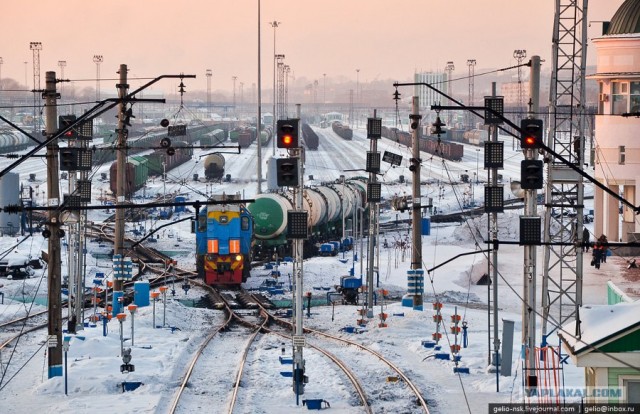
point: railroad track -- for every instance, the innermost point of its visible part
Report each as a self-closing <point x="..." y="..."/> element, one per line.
<point x="257" y="328"/>
<point x="418" y="400"/>
<point x="232" y="317"/>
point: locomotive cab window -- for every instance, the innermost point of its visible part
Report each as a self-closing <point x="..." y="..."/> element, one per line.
<point x="202" y="223"/>
<point x="245" y="223"/>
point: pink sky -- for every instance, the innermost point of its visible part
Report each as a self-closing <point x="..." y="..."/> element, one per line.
<point x="384" y="39"/>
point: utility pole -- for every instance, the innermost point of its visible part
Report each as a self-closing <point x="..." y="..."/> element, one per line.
<point x="118" y="245"/>
<point x="54" y="274"/>
<point x="259" y="120"/>
<point x="416" y="243"/>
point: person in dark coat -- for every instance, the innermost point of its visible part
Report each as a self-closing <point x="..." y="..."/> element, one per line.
<point x="585" y="240"/>
<point x="597" y="255"/>
<point x="604" y="245"/>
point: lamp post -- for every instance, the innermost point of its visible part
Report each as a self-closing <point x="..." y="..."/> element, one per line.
<point x="209" y="74"/>
<point x="275" y="25"/>
<point x="98" y="59"/>
<point x="324" y="91"/>
<point x="61" y="64"/>
<point x="235" y="111"/>
<point x="357" y="95"/>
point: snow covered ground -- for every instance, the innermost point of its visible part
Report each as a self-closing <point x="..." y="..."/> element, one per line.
<point x="160" y="355"/>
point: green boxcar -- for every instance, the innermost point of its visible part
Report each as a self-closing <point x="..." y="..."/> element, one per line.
<point x="141" y="171"/>
<point x="233" y="135"/>
<point x="154" y="163"/>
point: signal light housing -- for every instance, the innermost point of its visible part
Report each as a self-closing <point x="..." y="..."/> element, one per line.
<point x="65" y="121"/>
<point x="531" y="174"/>
<point x="287" y="172"/>
<point x="531" y="133"/>
<point x="287" y="133"/>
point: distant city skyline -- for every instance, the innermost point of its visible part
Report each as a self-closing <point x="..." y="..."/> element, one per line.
<point x="367" y="40"/>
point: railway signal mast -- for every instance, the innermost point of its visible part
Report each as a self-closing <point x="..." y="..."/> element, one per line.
<point x="290" y="174"/>
<point x="374" y="189"/>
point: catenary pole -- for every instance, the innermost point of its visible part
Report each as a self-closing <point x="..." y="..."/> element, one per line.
<point x="54" y="273"/>
<point x="121" y="159"/>
<point x="416" y="249"/>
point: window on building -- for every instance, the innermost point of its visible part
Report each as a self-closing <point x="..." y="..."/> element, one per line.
<point x="620" y="97"/>
<point x="601" y="98"/>
<point x="635" y="97"/>
<point x="621" y="155"/>
<point x="633" y="391"/>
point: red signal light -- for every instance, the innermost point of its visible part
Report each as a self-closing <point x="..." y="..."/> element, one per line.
<point x="287" y="140"/>
<point x="529" y="141"/>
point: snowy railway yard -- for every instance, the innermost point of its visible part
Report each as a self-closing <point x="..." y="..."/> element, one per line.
<point x="161" y="354"/>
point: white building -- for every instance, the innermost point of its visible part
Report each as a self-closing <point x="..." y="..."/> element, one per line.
<point x="617" y="148"/>
<point x="427" y="95"/>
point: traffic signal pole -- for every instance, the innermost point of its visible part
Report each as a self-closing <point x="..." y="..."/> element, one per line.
<point x="416" y="209"/>
<point x="121" y="160"/>
<point x="298" y="243"/>
<point x="530" y="210"/>
<point x="54" y="273"/>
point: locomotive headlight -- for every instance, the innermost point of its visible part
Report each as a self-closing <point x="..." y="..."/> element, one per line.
<point x="238" y="258"/>
<point x="210" y="257"/>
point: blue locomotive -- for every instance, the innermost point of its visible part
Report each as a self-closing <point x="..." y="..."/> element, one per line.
<point x="223" y="243"/>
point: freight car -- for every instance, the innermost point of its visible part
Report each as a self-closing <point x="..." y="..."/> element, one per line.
<point x="233" y="134"/>
<point x="13" y="141"/>
<point x="159" y="157"/>
<point x="244" y="139"/>
<point x="310" y="137"/>
<point x="223" y="243"/>
<point x="342" y="130"/>
<point x="136" y="175"/>
<point x="215" y="137"/>
<point x="214" y="166"/>
<point x="139" y="168"/>
<point x="106" y="152"/>
<point x="326" y="205"/>
<point x="266" y="134"/>
<point x="447" y="150"/>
